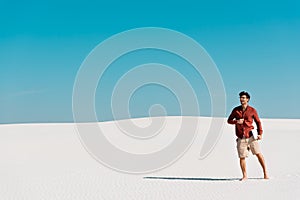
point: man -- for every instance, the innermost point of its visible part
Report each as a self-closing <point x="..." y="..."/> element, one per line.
<point x="242" y="117"/>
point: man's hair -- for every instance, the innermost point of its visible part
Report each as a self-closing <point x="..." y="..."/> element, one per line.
<point x="245" y="93"/>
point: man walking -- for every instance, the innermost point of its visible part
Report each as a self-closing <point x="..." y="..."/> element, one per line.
<point x="242" y="117"/>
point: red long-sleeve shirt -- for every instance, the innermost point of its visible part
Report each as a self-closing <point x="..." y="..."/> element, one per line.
<point x="248" y="115"/>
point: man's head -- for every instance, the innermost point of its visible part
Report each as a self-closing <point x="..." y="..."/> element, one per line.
<point x="244" y="97"/>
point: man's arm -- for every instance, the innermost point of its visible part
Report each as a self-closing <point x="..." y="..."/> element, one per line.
<point x="258" y="123"/>
<point x="232" y="119"/>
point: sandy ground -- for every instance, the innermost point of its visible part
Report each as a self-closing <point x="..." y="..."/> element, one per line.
<point x="48" y="161"/>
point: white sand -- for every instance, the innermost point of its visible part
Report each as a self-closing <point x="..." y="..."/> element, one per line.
<point x="47" y="161"/>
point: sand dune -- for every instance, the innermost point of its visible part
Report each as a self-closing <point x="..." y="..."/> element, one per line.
<point x="48" y="161"/>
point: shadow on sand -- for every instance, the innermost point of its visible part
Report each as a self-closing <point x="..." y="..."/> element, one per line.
<point x="197" y="179"/>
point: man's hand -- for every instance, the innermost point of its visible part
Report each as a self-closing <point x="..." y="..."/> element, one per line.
<point x="240" y="121"/>
<point x="259" y="137"/>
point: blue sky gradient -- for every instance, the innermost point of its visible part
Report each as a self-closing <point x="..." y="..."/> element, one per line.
<point x="255" y="45"/>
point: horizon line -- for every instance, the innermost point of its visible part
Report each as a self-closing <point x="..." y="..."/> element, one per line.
<point x="106" y="121"/>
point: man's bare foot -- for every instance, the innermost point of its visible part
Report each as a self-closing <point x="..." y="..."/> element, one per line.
<point x="243" y="179"/>
<point x="266" y="176"/>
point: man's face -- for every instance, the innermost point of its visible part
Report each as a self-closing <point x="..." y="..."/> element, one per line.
<point x="243" y="99"/>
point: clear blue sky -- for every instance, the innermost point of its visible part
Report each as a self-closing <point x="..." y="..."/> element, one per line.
<point x="255" y="44"/>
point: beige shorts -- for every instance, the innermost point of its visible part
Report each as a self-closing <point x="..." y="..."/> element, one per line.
<point x="246" y="144"/>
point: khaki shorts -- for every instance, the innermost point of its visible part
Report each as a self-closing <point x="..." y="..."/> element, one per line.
<point x="243" y="146"/>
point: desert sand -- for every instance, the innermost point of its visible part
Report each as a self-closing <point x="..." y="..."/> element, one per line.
<point x="48" y="161"/>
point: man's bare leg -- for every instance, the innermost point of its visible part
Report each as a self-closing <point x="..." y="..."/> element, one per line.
<point x="263" y="165"/>
<point x="243" y="167"/>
